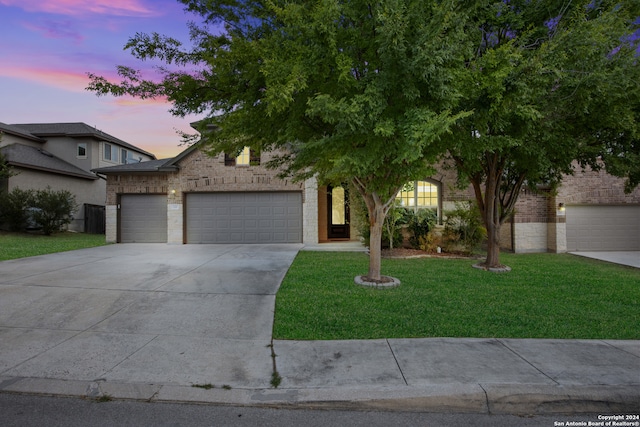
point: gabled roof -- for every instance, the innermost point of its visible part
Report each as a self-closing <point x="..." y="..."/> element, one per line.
<point x="15" y="130"/>
<point x="36" y="158"/>
<point x="74" y="130"/>
<point x="164" y="165"/>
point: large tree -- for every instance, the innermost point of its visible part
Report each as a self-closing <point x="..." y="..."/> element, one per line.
<point x="374" y="92"/>
<point x="552" y="85"/>
<point x="345" y="90"/>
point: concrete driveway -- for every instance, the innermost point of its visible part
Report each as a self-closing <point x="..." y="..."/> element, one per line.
<point x="628" y="258"/>
<point x="148" y="313"/>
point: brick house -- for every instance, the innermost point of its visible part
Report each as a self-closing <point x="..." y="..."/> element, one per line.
<point x="196" y="198"/>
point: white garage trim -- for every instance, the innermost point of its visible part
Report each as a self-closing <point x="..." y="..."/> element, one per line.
<point x="603" y="228"/>
<point x="244" y="217"/>
<point x="143" y="218"/>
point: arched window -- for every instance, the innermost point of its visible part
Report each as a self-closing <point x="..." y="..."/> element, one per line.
<point x="421" y="195"/>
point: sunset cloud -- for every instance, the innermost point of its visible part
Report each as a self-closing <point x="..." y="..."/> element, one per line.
<point x="61" y="79"/>
<point x="127" y="101"/>
<point x="55" y="30"/>
<point x="83" y="7"/>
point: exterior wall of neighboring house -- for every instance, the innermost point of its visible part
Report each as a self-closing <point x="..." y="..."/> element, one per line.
<point x="86" y="191"/>
<point x="75" y="143"/>
<point x="8" y="139"/>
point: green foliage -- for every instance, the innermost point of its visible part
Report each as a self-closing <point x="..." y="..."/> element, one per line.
<point x="344" y="91"/>
<point x="52" y="210"/>
<point x="550" y="84"/>
<point x="420" y="222"/>
<point x="376" y="92"/>
<point x="13" y="208"/>
<point x="396" y="217"/>
<point x="545" y="296"/>
<point x="46" y="209"/>
<point x="463" y="228"/>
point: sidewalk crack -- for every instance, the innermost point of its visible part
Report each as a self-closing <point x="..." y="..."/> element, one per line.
<point x="526" y="361"/>
<point x="397" y="363"/>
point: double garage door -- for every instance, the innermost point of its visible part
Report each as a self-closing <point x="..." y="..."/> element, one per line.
<point x="603" y="228"/>
<point x="265" y="217"/>
<point x="249" y="217"/>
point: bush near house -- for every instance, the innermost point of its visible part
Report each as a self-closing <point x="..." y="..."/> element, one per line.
<point x="14" y="205"/>
<point x="46" y="209"/>
<point x="463" y="229"/>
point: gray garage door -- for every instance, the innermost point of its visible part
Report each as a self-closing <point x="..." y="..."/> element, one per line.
<point x="143" y="218"/>
<point x="603" y="228"/>
<point x="266" y="217"/>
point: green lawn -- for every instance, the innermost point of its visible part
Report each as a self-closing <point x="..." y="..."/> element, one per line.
<point x="20" y="245"/>
<point x="545" y="296"/>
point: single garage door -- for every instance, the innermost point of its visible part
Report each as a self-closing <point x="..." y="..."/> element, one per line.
<point x="143" y="218"/>
<point x="265" y="217"/>
<point x="603" y="228"/>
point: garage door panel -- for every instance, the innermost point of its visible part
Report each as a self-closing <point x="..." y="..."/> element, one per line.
<point x="252" y="217"/>
<point x="603" y="228"/>
<point x="143" y="218"/>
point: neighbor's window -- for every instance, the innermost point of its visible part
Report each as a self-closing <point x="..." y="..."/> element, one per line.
<point x="107" y="151"/>
<point x="419" y="194"/>
<point x="110" y="152"/>
<point x="82" y="150"/>
<point x="247" y="157"/>
<point x="123" y="156"/>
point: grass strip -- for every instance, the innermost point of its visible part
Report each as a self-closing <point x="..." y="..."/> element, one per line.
<point x="21" y="245"/>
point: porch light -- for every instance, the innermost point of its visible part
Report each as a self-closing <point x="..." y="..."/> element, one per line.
<point x="561" y="209"/>
<point x="173" y="191"/>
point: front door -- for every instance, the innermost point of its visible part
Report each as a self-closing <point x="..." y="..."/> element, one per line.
<point x="338" y="212"/>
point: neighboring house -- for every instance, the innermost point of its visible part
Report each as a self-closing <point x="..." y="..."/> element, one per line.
<point x="195" y="198"/>
<point x="61" y="156"/>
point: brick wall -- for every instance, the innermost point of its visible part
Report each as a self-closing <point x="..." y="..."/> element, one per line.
<point x="200" y="172"/>
<point x="157" y="183"/>
<point x="590" y="187"/>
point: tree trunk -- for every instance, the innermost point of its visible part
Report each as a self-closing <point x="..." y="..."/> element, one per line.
<point x="489" y="204"/>
<point x="376" y="221"/>
<point x="377" y="210"/>
<point x="493" y="244"/>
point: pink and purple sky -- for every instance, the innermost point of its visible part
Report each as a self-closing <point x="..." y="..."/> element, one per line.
<point x="47" y="47"/>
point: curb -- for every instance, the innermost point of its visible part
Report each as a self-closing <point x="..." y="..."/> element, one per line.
<point x="513" y="399"/>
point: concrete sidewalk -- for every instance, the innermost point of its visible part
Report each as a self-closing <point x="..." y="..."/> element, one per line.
<point x="166" y="323"/>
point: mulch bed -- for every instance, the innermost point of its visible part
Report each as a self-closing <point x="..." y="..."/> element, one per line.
<point x="417" y="253"/>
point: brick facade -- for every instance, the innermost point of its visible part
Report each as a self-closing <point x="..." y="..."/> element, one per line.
<point x="538" y="224"/>
<point x="199" y="172"/>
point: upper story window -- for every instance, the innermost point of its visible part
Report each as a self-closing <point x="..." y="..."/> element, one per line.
<point x="110" y="152"/>
<point x="247" y="157"/>
<point x="82" y="150"/>
<point x="123" y="156"/>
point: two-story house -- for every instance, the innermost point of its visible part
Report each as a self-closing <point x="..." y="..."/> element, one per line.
<point x="61" y="156"/>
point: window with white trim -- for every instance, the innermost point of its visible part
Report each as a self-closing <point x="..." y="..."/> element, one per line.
<point x="110" y="152"/>
<point x="419" y="195"/>
<point x="81" y="152"/>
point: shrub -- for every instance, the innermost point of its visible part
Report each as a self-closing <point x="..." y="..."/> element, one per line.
<point x="420" y="223"/>
<point x="463" y="229"/>
<point x="53" y="209"/>
<point x="393" y="222"/>
<point x="14" y="207"/>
